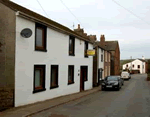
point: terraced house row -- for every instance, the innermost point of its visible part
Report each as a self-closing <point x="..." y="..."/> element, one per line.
<point x="41" y="59"/>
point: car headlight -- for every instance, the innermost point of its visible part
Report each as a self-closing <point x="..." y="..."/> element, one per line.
<point x="116" y="83"/>
<point x="103" y="83"/>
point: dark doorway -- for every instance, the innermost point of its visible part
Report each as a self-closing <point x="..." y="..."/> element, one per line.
<point x="83" y="76"/>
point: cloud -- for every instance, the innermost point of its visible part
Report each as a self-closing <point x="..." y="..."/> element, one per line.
<point x="103" y="17"/>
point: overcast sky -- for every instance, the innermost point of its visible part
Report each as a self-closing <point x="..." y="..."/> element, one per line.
<point x="103" y="17"/>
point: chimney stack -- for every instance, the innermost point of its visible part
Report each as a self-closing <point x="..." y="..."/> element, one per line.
<point x="143" y="58"/>
<point x="79" y="30"/>
<point x="78" y="26"/>
<point x="92" y="37"/>
<point x="102" y="38"/>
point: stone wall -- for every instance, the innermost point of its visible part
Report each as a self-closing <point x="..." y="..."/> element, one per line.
<point x="7" y="56"/>
<point x="6" y="98"/>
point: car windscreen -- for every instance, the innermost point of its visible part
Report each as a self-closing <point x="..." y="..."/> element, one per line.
<point x="112" y="78"/>
<point x="124" y="73"/>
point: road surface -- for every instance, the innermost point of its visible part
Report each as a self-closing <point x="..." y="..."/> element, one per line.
<point x="133" y="100"/>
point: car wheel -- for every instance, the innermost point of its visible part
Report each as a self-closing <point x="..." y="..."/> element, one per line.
<point x="103" y="89"/>
<point x="118" y="88"/>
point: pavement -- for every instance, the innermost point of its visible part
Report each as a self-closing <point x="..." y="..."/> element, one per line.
<point x="133" y="100"/>
<point x="32" y="109"/>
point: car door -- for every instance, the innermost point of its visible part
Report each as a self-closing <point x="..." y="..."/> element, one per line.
<point x="120" y="82"/>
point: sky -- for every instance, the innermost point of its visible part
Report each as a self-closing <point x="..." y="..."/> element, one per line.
<point x="99" y="17"/>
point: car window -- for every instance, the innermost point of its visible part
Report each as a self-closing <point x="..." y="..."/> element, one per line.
<point x="112" y="78"/>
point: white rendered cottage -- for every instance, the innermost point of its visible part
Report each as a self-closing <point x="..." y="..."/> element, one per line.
<point x="138" y="64"/>
<point x="48" y="64"/>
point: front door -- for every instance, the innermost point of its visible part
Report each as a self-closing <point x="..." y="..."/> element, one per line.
<point x="83" y="77"/>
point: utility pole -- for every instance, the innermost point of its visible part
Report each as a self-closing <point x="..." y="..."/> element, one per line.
<point x="73" y="25"/>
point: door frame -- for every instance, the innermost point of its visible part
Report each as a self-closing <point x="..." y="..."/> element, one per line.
<point x="82" y="80"/>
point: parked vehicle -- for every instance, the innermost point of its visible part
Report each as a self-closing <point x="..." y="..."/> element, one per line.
<point x="122" y="80"/>
<point x="125" y="75"/>
<point x="113" y="82"/>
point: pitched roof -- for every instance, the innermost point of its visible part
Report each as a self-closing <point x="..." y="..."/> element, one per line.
<point x="17" y="7"/>
<point x="142" y="60"/>
<point x="111" y="45"/>
<point x="99" y="45"/>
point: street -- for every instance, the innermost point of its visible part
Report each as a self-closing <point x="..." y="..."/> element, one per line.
<point x="133" y="100"/>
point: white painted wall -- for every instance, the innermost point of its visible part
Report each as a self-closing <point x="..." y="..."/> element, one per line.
<point x="100" y="63"/>
<point x="57" y="53"/>
<point x="136" y="63"/>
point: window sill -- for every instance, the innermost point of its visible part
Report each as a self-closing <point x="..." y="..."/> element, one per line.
<point x="40" y="50"/>
<point x="85" y="80"/>
<point x="71" y="54"/>
<point x="54" y="87"/>
<point x="39" y="90"/>
<point x="69" y="83"/>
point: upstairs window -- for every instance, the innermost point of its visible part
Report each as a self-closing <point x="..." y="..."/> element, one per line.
<point x="40" y="37"/>
<point x="85" y="49"/>
<point x="126" y="65"/>
<point x="138" y="66"/>
<point x="70" y="74"/>
<point x="105" y="56"/>
<point x="71" y="45"/>
<point x="101" y="57"/>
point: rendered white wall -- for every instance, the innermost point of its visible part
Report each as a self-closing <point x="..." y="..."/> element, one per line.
<point x="57" y="54"/>
<point x="99" y="62"/>
<point x="136" y="63"/>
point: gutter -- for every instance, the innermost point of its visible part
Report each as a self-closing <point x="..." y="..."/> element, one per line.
<point x="26" y="16"/>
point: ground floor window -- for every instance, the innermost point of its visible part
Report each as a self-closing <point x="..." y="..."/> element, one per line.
<point x="70" y="74"/>
<point x="54" y="76"/>
<point x="39" y="78"/>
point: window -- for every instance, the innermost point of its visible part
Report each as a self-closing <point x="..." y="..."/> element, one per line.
<point x="101" y="57"/>
<point x="133" y="66"/>
<point x="143" y="66"/>
<point x="54" y="76"/>
<point x="109" y="57"/>
<point x="109" y="71"/>
<point x="101" y="50"/>
<point x="70" y="74"/>
<point x="71" y="46"/>
<point x="126" y="65"/>
<point x="40" y="37"/>
<point x="105" y="56"/>
<point x="85" y="49"/>
<point x="105" y="71"/>
<point x="39" y="78"/>
<point x="138" y="66"/>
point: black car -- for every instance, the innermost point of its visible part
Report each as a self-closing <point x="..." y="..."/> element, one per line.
<point x="113" y="82"/>
<point x="122" y="80"/>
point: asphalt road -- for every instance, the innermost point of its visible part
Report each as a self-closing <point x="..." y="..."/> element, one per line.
<point x="133" y="100"/>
